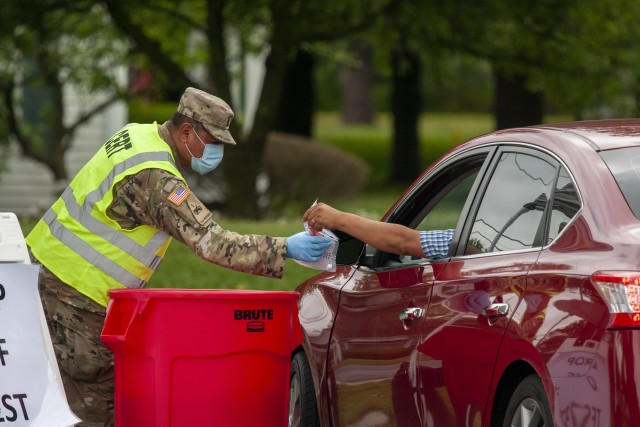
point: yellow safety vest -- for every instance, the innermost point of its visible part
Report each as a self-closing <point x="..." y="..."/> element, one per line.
<point x="76" y="239"/>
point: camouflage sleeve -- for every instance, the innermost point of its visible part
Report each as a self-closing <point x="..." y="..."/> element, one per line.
<point x="157" y="198"/>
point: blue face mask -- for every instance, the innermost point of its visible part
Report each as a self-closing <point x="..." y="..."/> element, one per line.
<point x="211" y="157"/>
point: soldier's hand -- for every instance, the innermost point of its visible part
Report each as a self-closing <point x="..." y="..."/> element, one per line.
<point x="304" y="247"/>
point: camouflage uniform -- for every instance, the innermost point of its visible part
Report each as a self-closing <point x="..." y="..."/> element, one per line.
<point x="144" y="199"/>
<point x="86" y="364"/>
<point x="75" y="321"/>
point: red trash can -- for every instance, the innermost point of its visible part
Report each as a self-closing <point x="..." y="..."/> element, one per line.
<point x="190" y="358"/>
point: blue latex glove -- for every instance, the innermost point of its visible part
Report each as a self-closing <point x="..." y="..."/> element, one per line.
<point x="304" y="247"/>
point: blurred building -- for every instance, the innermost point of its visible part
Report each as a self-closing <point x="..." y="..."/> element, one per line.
<point x="28" y="188"/>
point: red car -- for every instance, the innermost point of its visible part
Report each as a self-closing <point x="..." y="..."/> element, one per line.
<point x="533" y="317"/>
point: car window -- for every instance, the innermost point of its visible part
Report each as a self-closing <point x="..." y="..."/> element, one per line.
<point x="438" y="201"/>
<point x="566" y="204"/>
<point x="624" y="164"/>
<point x="510" y="213"/>
<point x="446" y="212"/>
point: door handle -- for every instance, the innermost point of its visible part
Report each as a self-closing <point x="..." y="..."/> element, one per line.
<point x="411" y="313"/>
<point x="496" y="310"/>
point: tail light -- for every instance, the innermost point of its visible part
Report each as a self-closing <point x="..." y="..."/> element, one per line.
<point x="621" y="291"/>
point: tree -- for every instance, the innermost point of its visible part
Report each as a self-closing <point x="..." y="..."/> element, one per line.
<point x="515" y="104"/>
<point x="281" y="27"/>
<point x="46" y="47"/>
<point x="502" y="33"/>
<point x="594" y="60"/>
<point x="297" y="100"/>
<point x="406" y="98"/>
<point x="406" y="107"/>
<point x="577" y="53"/>
<point x="357" y="78"/>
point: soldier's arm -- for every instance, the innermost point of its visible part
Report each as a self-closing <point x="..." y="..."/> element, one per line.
<point x="157" y="198"/>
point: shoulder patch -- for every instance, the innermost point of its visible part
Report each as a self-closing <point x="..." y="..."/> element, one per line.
<point x="178" y="195"/>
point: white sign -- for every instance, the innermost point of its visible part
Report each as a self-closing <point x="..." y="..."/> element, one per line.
<point x="31" y="392"/>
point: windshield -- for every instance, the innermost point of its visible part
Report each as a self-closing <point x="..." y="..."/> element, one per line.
<point x="625" y="167"/>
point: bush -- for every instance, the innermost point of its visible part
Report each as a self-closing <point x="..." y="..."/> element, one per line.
<point x="143" y="112"/>
<point x="300" y="170"/>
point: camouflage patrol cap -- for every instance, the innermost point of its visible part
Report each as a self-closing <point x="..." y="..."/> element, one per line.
<point x="214" y="114"/>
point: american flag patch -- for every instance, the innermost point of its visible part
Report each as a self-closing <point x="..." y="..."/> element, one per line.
<point x="178" y="195"/>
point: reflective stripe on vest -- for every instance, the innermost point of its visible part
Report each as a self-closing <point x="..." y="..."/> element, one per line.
<point x="82" y="214"/>
<point x="87" y="252"/>
<point x="127" y="257"/>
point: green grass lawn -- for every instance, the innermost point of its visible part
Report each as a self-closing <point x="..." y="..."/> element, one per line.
<point x="181" y="268"/>
<point x="438" y="133"/>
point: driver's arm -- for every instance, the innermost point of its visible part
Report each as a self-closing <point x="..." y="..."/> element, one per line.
<point x="387" y="237"/>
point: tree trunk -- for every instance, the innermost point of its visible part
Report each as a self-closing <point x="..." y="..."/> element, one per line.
<point x="244" y="160"/>
<point x="295" y="113"/>
<point x="405" y="104"/>
<point x="241" y="166"/>
<point x="357" y="86"/>
<point x="515" y="104"/>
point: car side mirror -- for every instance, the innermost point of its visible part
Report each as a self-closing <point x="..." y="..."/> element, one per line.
<point x="349" y="250"/>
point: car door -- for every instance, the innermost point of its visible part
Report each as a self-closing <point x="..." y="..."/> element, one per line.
<point x="373" y="348"/>
<point x="373" y="358"/>
<point x="476" y="291"/>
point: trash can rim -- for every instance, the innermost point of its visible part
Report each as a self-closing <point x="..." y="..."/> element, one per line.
<point x="201" y="293"/>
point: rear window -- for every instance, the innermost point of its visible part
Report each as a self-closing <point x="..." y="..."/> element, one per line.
<point x="625" y="167"/>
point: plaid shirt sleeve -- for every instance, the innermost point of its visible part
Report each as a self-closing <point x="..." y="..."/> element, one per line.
<point x="435" y="243"/>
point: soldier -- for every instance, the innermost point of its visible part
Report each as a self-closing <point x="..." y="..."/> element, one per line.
<point x="112" y="225"/>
